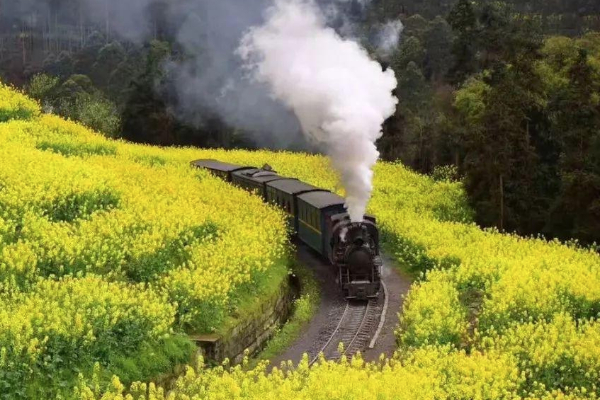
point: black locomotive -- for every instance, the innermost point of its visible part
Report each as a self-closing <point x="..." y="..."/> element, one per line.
<point x="319" y="219"/>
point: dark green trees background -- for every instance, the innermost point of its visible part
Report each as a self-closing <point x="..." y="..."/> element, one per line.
<point x="504" y="95"/>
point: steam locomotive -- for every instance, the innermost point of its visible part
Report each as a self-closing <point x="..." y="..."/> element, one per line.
<point x="319" y="219"/>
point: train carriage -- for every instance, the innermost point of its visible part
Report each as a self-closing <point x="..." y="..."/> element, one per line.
<point x="218" y="168"/>
<point x="284" y="193"/>
<point x="315" y="210"/>
<point x="255" y="180"/>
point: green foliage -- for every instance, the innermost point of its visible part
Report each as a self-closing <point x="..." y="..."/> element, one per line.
<point x="95" y="112"/>
<point x="463" y="20"/>
<point x="41" y="86"/>
<point x="470" y="101"/>
<point x="77" y="98"/>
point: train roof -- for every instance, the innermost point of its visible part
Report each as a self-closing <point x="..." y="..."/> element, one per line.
<point x="293" y="186"/>
<point x="218" y="165"/>
<point x="258" y="175"/>
<point x="322" y="199"/>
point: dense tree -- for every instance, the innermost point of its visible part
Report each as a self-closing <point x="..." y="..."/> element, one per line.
<point x="501" y="160"/>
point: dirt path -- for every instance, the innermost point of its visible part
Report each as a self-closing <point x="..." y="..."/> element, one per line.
<point x="332" y="306"/>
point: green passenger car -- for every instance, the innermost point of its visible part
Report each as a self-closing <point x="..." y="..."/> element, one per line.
<point x="284" y="194"/>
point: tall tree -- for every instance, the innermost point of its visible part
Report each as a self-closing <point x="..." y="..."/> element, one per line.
<point x="437" y="43"/>
<point x="410" y="50"/>
<point x="463" y="20"/>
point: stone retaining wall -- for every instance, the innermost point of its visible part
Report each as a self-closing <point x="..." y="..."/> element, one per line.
<point x="254" y="333"/>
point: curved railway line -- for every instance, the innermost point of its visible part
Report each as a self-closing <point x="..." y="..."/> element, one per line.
<point x="356" y="329"/>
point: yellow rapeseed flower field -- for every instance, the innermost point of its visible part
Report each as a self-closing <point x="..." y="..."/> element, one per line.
<point x="492" y="316"/>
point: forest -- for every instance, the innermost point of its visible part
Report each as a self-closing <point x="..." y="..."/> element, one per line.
<point x="502" y="95"/>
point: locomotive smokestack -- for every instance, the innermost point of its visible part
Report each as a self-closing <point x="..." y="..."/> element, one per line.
<point x="340" y="96"/>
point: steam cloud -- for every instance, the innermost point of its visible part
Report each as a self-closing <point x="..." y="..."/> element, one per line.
<point x="340" y="96"/>
<point x="388" y="38"/>
<point x="307" y="77"/>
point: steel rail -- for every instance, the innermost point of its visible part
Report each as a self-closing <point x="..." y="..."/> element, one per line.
<point x="331" y="336"/>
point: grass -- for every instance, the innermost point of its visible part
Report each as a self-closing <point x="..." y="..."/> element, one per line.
<point x="304" y="309"/>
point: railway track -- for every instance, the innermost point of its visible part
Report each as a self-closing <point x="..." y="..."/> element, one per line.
<point x="357" y="328"/>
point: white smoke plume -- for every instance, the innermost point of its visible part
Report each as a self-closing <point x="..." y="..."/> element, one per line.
<point x="340" y="96"/>
<point x="388" y="38"/>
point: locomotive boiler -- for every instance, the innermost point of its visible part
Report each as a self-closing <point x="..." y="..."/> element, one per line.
<point x="318" y="218"/>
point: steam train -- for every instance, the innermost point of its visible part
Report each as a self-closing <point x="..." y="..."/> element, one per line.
<point x="319" y="219"/>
